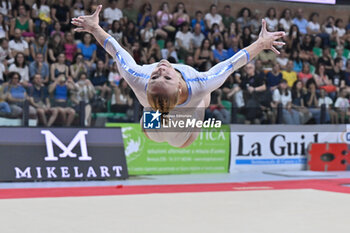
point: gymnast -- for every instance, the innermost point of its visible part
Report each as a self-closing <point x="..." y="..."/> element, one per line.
<point x="165" y="87"/>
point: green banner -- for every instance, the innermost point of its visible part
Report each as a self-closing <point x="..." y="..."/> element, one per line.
<point x="208" y="154"/>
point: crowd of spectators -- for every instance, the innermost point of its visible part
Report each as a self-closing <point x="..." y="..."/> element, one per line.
<point x="43" y="61"/>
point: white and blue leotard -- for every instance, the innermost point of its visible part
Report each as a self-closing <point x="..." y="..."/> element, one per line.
<point x="200" y="84"/>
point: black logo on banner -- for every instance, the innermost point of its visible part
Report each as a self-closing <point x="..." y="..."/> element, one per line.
<point x="62" y="154"/>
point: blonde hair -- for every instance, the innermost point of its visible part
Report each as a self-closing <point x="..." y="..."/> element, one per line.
<point x="164" y="102"/>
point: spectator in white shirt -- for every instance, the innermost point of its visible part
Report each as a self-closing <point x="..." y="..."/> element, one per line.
<point x="342" y="105"/>
<point x="112" y="13"/>
<point x="18" y="44"/>
<point x="184" y="41"/>
<point x="20" y="67"/>
<point x="286" y="20"/>
<point x="169" y="51"/>
<point x="271" y="19"/>
<point x="198" y="36"/>
<point x="213" y="17"/>
<point x="313" y="27"/>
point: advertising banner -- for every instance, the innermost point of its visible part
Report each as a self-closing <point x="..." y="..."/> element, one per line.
<point x="48" y="154"/>
<point x="278" y="147"/>
<point x="208" y="154"/>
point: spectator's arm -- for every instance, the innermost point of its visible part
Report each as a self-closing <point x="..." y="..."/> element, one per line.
<point x="51" y="55"/>
<point x="12" y="27"/>
<point x="53" y="14"/>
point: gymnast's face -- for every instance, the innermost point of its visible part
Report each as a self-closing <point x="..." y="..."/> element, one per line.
<point x="164" y="79"/>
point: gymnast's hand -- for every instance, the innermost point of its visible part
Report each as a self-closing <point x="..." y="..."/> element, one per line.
<point x="87" y="23"/>
<point x="268" y="39"/>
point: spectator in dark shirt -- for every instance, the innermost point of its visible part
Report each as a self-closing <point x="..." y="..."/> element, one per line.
<point x="39" y="98"/>
<point x="273" y="77"/>
<point x="99" y="79"/>
<point x="311" y="100"/>
<point x="337" y="75"/>
<point x="60" y="13"/>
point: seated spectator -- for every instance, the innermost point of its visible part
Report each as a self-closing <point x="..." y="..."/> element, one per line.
<point x="112" y="13"/>
<point x="130" y="35"/>
<point x="342" y="106"/>
<point x="293" y="39"/>
<point x="298" y="103"/>
<point x="5" y="52"/>
<point x="6" y="9"/>
<point x="116" y="31"/>
<point x="306" y="52"/>
<point x="234" y="47"/>
<point x="298" y="63"/>
<point x="39" y="66"/>
<point x="114" y="76"/>
<point x="39" y="99"/>
<point x="18" y="45"/>
<point x="220" y="54"/>
<point x="22" y="22"/>
<point x="212" y="17"/>
<point x="123" y="99"/>
<point x="78" y="8"/>
<point x="286" y="20"/>
<point x="16" y="5"/>
<point x="289" y="74"/>
<point x="85" y="92"/>
<point x="153" y="50"/>
<point x="282" y="95"/>
<point x="313" y="26"/>
<point x="190" y="61"/>
<point x="339" y="27"/>
<point x="148" y="32"/>
<point x="138" y="53"/>
<point x="39" y="46"/>
<point x="227" y="18"/>
<point x="60" y="90"/>
<point x="184" y="41"/>
<point x="3" y="28"/>
<point x="326" y="60"/>
<point x="254" y="87"/>
<point x="70" y="47"/>
<point x="99" y="79"/>
<point x="16" y="95"/>
<point x="330" y="113"/>
<point x="199" y="19"/>
<point x="271" y="19"/>
<point x="230" y="34"/>
<point x="246" y="37"/>
<point x="204" y="57"/>
<point x="129" y="11"/>
<point x="3" y="71"/>
<point x="20" y="67"/>
<point x="5" y="109"/>
<point x="273" y="77"/>
<point x="56" y="47"/>
<point x="78" y="66"/>
<point x="216" y="109"/>
<point x="347" y="74"/>
<point x="337" y="75"/>
<point x="180" y="15"/>
<point x="300" y="21"/>
<point x="169" y="51"/>
<point x="305" y="74"/>
<point x="330" y="29"/>
<point x="60" y="13"/>
<point x="59" y="68"/>
<point x="88" y="49"/>
<point x="323" y="82"/>
<point x="165" y="18"/>
<point x="214" y="34"/>
<point x="145" y="15"/>
<point x="311" y="100"/>
<point x="197" y="36"/>
<point x="57" y="28"/>
<point x="282" y="59"/>
<point x="243" y="19"/>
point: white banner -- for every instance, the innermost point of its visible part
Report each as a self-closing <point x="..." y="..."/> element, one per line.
<point x="279" y="147"/>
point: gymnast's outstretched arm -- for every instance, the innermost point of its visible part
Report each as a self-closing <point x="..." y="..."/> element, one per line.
<point x="126" y="64"/>
<point x="216" y="76"/>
